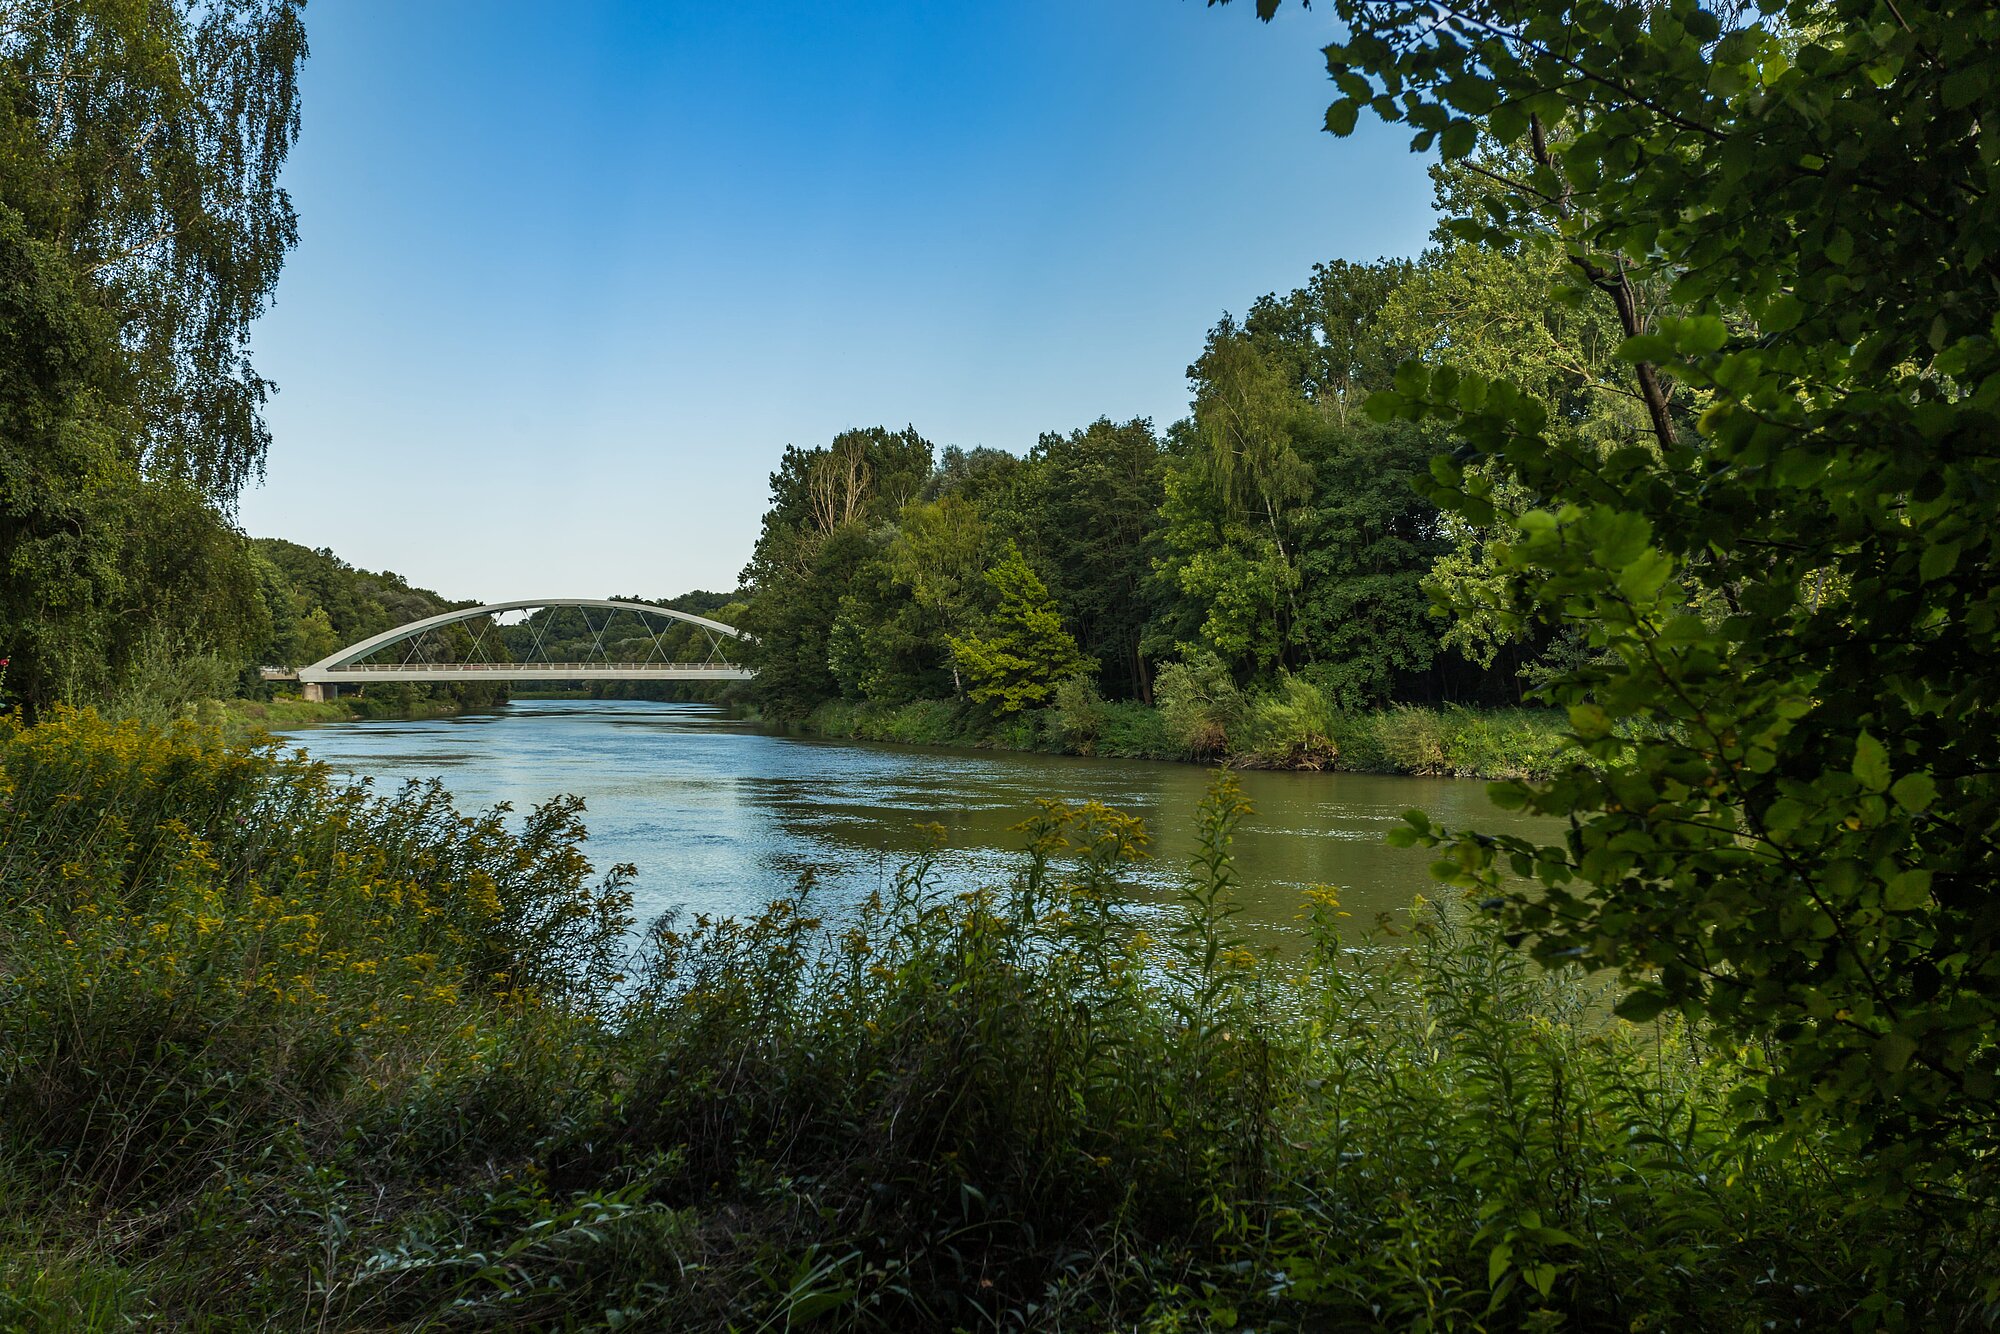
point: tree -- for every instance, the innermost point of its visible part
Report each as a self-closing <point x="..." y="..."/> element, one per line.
<point x="1487" y="309"/>
<point x="144" y="140"/>
<point x="1249" y="526"/>
<point x="1364" y="622"/>
<point x="1024" y="651"/>
<point x="1247" y="409"/>
<point x="141" y="232"/>
<point x="59" y="463"/>
<point x="814" y="544"/>
<point x="936" y="555"/>
<point x="1329" y="334"/>
<point x="1784" y="816"/>
<point x="1090" y="512"/>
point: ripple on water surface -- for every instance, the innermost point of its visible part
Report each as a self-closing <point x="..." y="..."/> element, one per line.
<point x="720" y="816"/>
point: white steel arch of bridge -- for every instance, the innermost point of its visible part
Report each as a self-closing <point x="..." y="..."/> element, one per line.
<point x="345" y="666"/>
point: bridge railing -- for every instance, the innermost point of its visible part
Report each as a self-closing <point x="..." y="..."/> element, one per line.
<point x="362" y="668"/>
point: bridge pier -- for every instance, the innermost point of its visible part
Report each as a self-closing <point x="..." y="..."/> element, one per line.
<point x="312" y="692"/>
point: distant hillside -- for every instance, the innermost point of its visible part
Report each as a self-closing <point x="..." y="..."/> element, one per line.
<point x="356" y="603"/>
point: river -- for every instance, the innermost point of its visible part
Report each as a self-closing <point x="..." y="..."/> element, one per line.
<point x="721" y="816"/>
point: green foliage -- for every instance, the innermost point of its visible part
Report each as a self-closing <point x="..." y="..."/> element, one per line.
<point x="1022" y="650"/>
<point x="1289" y="726"/>
<point x="310" y="603"/>
<point x="1363" y="615"/>
<point x="58" y="457"/>
<point x="815" y="544"/>
<point x="371" y="1058"/>
<point x="207" y="944"/>
<point x="144" y="143"/>
<point x="1089" y="503"/>
<point x="1277" y="529"/>
<point x="141" y="232"/>
<point x="1199" y="703"/>
<point x="167" y="681"/>
<point x="1786" y="820"/>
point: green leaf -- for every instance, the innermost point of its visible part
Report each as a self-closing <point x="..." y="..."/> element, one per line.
<point x="1642" y="1006"/>
<point x="1457" y="139"/>
<point x="1907" y="891"/>
<point x="1590" y="721"/>
<point x="1645" y="575"/>
<point x="1939" y="559"/>
<point x="1781" y="314"/>
<point x="1646" y="347"/>
<point x="1340" y="117"/>
<point x="1783" y="816"/>
<point x="1914" y="792"/>
<point x="1871" y="763"/>
<point x="1702" y="333"/>
<point x="1497" y="1261"/>
<point x="816" y="1304"/>
<point x="1894" y="1050"/>
<point x="1966" y="85"/>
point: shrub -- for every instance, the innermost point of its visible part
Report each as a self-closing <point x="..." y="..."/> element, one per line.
<point x="273" y="1047"/>
<point x="205" y="944"/>
<point x="1289" y="727"/>
<point x="1135" y="731"/>
<point x="1414" y="740"/>
<point x="1079" y="715"/>
<point x="1199" y="702"/>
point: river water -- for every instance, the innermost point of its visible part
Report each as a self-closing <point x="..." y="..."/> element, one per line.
<point x="720" y="816"/>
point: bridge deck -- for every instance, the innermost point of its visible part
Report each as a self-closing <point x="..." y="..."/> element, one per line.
<point x="358" y="673"/>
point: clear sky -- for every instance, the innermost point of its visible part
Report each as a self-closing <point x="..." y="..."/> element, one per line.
<point x="571" y="277"/>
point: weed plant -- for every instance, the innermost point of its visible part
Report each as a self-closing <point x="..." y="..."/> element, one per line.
<point x="279" y="1053"/>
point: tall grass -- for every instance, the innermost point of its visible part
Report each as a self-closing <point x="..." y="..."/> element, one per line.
<point x="277" y="1053"/>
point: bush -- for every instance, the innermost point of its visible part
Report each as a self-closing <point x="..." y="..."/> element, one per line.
<point x="1199" y="702"/>
<point x="205" y="945"/>
<point x="370" y="1060"/>
<point x="1203" y="715"/>
<point x="166" y="681"/>
<point x="1078" y="717"/>
<point x="1289" y="727"/>
<point x="1135" y="731"/>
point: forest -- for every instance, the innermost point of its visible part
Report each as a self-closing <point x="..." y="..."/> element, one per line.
<point x="1266" y="571"/>
<point x="1275" y="535"/>
<point x="1680" y="430"/>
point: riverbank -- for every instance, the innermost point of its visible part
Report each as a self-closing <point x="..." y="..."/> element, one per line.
<point x="274" y="1044"/>
<point x="254" y="719"/>
<point x="1279" y="732"/>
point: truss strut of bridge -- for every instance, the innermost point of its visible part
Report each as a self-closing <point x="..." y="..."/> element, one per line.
<point x="620" y="641"/>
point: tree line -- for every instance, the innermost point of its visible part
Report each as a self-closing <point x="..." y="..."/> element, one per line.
<point x="1277" y="533"/>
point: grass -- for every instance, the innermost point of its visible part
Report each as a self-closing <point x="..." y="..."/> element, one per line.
<point x="276" y="1052"/>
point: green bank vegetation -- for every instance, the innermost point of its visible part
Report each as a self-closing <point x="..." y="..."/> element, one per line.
<point x="1685" y="423"/>
<point x="277" y="1049"/>
<point x="1245" y="730"/>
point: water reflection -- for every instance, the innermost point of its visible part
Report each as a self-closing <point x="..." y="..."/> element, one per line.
<point x="720" y="816"/>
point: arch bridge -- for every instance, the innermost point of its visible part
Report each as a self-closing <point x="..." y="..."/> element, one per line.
<point x="606" y="640"/>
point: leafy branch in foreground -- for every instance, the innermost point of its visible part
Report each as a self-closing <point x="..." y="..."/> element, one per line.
<point x="1788" y="820"/>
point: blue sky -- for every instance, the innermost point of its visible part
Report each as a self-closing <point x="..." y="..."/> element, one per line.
<point x="571" y="277"/>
